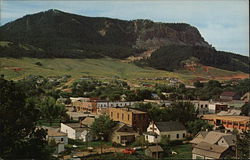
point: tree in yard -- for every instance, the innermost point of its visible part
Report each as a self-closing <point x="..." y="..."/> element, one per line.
<point x="182" y="112"/>
<point x="19" y="138"/>
<point x="197" y="125"/>
<point x="51" y="110"/>
<point x="165" y="144"/>
<point x="245" y="109"/>
<point x="242" y="145"/>
<point x="102" y="127"/>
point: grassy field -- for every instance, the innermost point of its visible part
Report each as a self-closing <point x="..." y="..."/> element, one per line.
<point x="183" y="151"/>
<point x="99" y="68"/>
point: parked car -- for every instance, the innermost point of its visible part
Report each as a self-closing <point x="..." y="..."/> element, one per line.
<point x="128" y="151"/>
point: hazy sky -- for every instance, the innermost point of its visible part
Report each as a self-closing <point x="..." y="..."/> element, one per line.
<point x="223" y="23"/>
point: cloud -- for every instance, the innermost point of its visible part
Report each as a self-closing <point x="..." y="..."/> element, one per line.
<point x="223" y="23"/>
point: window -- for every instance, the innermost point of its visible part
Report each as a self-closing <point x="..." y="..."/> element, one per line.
<point x="184" y="135"/>
<point x="146" y="137"/>
<point x="61" y="139"/>
<point x="169" y="136"/>
<point x="111" y="114"/>
<point x="177" y="136"/>
<point x="122" y="116"/>
<point x="118" y="137"/>
<point x="206" y="105"/>
<point x="128" y="117"/>
<point x="117" y="115"/>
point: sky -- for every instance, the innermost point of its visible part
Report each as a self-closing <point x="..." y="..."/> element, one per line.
<point x="222" y="23"/>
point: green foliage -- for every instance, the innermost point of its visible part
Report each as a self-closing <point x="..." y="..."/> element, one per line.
<point x="242" y="144"/>
<point x="171" y="57"/>
<point x="51" y="110"/>
<point x="183" y="112"/>
<point x="18" y="118"/>
<point x="165" y="144"/>
<point x="245" y="109"/>
<point x="197" y="125"/>
<point x="102" y="127"/>
<point x="140" y="141"/>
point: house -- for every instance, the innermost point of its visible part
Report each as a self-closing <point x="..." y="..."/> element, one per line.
<point x="199" y="137"/>
<point x="154" y="152"/>
<point x="201" y="106"/>
<point x="76" y="131"/>
<point x="246" y="97"/>
<point x="216" y="107"/>
<point x="213" y="145"/>
<point x="172" y="129"/>
<point x="59" y="138"/>
<point x="229" y="122"/>
<point x="123" y="134"/>
<point x="78" y="116"/>
<point x="205" y="150"/>
<point x="229" y="96"/>
<point x="137" y="119"/>
<point x="158" y="101"/>
<point x="214" y="137"/>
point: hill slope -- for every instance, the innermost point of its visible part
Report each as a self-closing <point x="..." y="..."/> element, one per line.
<point x="167" y="46"/>
<point x="105" y="68"/>
<point x="61" y="34"/>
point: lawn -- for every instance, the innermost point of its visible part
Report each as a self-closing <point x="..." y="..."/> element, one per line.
<point x="183" y="151"/>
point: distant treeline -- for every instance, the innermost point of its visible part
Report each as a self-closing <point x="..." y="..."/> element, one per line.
<point x="171" y="58"/>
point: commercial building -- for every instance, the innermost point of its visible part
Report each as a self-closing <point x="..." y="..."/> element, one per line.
<point x="137" y="119"/>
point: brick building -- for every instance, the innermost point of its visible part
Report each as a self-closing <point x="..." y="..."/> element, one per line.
<point x="137" y="119"/>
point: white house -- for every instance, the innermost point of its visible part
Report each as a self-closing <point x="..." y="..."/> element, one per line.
<point x="76" y="131"/>
<point x="107" y="104"/>
<point x="59" y="138"/>
<point x="217" y="107"/>
<point x="172" y="129"/>
<point x="201" y="106"/>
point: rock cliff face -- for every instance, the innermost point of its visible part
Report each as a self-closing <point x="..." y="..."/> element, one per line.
<point x="155" y="35"/>
<point x="61" y="34"/>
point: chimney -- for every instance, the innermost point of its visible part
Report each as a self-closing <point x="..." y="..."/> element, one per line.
<point x="153" y="125"/>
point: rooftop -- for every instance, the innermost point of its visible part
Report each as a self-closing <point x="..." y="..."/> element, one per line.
<point x="55" y="133"/>
<point x="170" y="126"/>
<point x="155" y="148"/>
<point x="134" y="111"/>
<point x="227" y="118"/>
<point x="209" y="150"/>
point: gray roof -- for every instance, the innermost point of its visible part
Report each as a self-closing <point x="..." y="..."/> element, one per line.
<point x="230" y="139"/>
<point x="213" y="137"/>
<point x="199" y="137"/>
<point x="169" y="126"/>
<point x="209" y="150"/>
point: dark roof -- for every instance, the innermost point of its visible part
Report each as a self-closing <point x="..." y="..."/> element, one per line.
<point x="228" y="94"/>
<point x="169" y="126"/>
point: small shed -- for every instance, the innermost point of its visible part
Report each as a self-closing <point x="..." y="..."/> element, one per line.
<point x="154" y="151"/>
